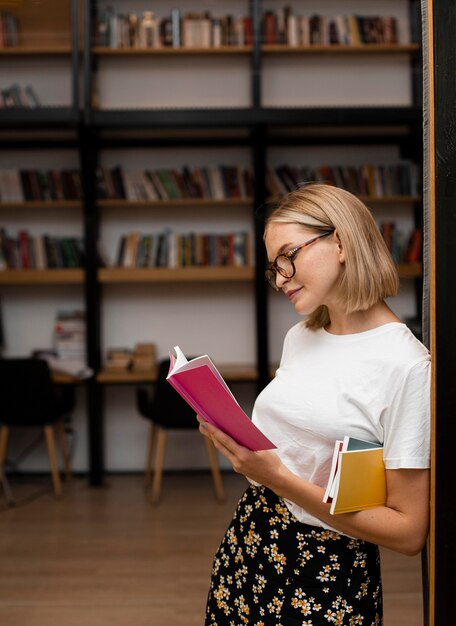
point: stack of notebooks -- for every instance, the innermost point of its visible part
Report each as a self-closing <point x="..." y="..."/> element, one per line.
<point x="357" y="479"/>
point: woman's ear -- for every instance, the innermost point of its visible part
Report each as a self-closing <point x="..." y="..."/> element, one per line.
<point x="339" y="247"/>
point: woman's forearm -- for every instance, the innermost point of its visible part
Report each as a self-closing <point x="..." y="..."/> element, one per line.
<point x="401" y="529"/>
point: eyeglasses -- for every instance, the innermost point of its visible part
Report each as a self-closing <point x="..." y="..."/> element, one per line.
<point x="283" y="263"/>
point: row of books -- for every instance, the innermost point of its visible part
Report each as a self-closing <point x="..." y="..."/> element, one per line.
<point x="191" y="30"/>
<point x="216" y="183"/>
<point x="41" y="252"/>
<point x="203" y="30"/>
<point x="403" y="248"/>
<point x="377" y="181"/>
<point x="23" y="185"/>
<point x="284" y="27"/>
<point x="225" y="181"/>
<point x="16" y="97"/>
<point x="167" y="249"/>
<point x="8" y="30"/>
<point x="172" y="250"/>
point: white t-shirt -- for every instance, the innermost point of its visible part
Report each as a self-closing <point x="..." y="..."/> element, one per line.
<point x="373" y="385"/>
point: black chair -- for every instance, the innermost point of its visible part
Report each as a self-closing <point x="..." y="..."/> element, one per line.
<point x="166" y="410"/>
<point x="29" y="398"/>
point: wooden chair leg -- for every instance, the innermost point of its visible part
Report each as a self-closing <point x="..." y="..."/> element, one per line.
<point x="49" y="433"/>
<point x="150" y="454"/>
<point x="159" y="459"/>
<point x="60" y="428"/>
<point x="4" y="437"/>
<point x="216" y="475"/>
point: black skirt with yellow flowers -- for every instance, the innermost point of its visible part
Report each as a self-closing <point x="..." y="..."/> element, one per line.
<point x="272" y="570"/>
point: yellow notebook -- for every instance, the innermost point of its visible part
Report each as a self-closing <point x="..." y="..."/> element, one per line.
<point x="360" y="479"/>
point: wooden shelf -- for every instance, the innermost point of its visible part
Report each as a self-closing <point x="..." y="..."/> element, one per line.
<point x="180" y="274"/>
<point x="58" y="50"/>
<point x="182" y="202"/>
<point x="340" y="49"/>
<point x="410" y="270"/>
<point x="231" y="372"/>
<point x="42" y="277"/>
<point x="266" y="48"/>
<point x="42" y="204"/>
<point x="126" y="377"/>
<point x="169" y="51"/>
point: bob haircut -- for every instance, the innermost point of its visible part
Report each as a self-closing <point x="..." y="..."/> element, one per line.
<point x="369" y="273"/>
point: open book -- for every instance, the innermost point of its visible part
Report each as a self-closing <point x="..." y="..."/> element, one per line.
<point x="201" y="385"/>
<point x="357" y="479"/>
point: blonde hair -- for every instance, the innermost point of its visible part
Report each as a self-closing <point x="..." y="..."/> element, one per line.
<point x="369" y="274"/>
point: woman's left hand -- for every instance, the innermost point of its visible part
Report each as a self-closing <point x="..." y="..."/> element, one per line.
<point x="263" y="467"/>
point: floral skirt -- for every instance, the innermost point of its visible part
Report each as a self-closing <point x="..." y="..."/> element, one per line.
<point x="272" y="570"/>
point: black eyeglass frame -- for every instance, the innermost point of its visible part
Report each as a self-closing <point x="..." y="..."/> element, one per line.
<point x="271" y="271"/>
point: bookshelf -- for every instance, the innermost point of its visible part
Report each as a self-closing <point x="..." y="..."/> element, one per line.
<point x="265" y="116"/>
<point x="41" y="51"/>
<point x="232" y="373"/>
<point x="335" y="49"/>
<point x="183" y="274"/>
<point x="42" y="277"/>
<point x="33" y="50"/>
<point x="223" y="50"/>
<point x="45" y="56"/>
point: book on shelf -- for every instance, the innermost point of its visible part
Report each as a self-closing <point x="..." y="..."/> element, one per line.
<point x="284" y="27"/>
<point x="217" y="183"/>
<point x="8" y="30"/>
<point x="376" y="181"/>
<point x="118" y="360"/>
<point x="39" y="252"/>
<point x="11" y="186"/>
<point x="414" y="251"/>
<point x="176" y="29"/>
<point x="140" y="359"/>
<point x="394" y="239"/>
<point x="69" y="335"/>
<point x="130" y="252"/>
<point x="144" y="358"/>
<point x="357" y="478"/>
<point x="404" y="248"/>
<point x="173" y="250"/>
<point x="39" y="185"/>
<point x="201" y="385"/>
<point x="17" y="96"/>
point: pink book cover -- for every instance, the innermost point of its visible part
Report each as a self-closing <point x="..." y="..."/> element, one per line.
<point x="201" y="385"/>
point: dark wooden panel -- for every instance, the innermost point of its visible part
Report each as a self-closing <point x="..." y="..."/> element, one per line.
<point x="445" y="304"/>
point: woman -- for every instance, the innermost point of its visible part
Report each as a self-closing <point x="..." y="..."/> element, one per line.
<point x="350" y="368"/>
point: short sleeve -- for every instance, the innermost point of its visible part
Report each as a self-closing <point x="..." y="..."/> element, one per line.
<point x="286" y="346"/>
<point x="406" y="422"/>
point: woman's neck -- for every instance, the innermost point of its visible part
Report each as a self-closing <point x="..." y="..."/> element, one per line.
<point x="360" y="321"/>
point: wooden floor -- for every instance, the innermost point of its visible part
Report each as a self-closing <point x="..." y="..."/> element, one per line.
<point x="106" y="556"/>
